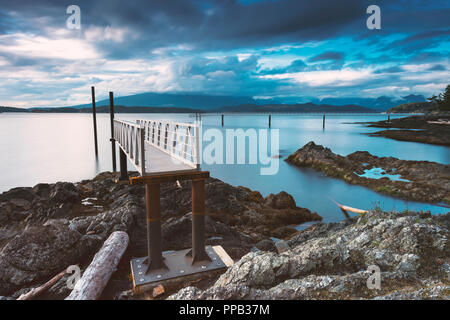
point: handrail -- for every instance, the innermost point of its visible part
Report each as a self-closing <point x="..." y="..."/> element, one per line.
<point x="179" y="140"/>
<point x="130" y="137"/>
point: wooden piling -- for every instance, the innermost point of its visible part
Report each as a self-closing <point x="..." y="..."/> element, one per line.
<point x="270" y="120"/>
<point x="94" y="116"/>
<point x="222" y="120"/>
<point x="323" y="122"/>
<point x="111" y="117"/>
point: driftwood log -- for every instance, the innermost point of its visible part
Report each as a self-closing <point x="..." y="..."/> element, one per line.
<point x="344" y="209"/>
<point x="105" y="262"/>
<point x="33" y="293"/>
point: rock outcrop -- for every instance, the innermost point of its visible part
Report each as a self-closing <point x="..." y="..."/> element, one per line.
<point x="46" y="228"/>
<point x="331" y="261"/>
<point x="419" y="180"/>
<point x="424" y="129"/>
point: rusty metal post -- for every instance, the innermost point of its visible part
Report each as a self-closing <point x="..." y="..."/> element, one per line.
<point x="111" y="117"/>
<point x="123" y="166"/>
<point x="198" y="221"/>
<point x="152" y="204"/>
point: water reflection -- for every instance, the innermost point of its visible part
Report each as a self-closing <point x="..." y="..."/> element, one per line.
<point x="59" y="147"/>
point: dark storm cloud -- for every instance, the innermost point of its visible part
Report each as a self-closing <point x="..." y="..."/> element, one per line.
<point x="437" y="67"/>
<point x="330" y="55"/>
<point x="202" y="66"/>
<point x="225" y="24"/>
<point x="295" y="66"/>
<point x="421" y="40"/>
<point x="207" y="24"/>
<point x="426" y="57"/>
<point x="222" y="46"/>
<point x="395" y="69"/>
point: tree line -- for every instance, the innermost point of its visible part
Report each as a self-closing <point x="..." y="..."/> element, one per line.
<point x="442" y="100"/>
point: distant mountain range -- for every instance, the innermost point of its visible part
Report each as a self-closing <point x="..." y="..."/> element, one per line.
<point x="298" y="108"/>
<point x="178" y="100"/>
<point x="381" y="104"/>
<point x="191" y="102"/>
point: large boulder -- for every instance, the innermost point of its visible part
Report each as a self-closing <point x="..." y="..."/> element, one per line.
<point x="332" y="261"/>
<point x="42" y="252"/>
<point x="282" y="200"/>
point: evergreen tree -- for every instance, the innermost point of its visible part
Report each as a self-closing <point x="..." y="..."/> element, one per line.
<point x="444" y="103"/>
<point x="442" y="100"/>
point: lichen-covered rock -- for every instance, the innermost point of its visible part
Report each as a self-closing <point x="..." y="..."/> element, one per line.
<point x="331" y="261"/>
<point x="36" y="224"/>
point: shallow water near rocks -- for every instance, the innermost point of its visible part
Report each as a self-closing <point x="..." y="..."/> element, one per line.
<point x="378" y="173"/>
<point x="60" y="147"/>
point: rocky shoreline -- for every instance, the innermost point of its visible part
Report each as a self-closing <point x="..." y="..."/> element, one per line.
<point x="51" y="226"/>
<point x="412" y="180"/>
<point x="331" y="261"/>
<point x="423" y="131"/>
<point x="46" y="228"/>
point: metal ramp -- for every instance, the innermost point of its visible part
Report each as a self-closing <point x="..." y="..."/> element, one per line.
<point x="163" y="146"/>
<point x="165" y="151"/>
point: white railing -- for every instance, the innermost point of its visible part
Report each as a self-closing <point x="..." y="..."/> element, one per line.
<point x="179" y="140"/>
<point x="130" y="137"/>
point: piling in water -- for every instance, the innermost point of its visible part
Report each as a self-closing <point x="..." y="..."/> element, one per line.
<point x="111" y="117"/>
<point x="94" y="116"/>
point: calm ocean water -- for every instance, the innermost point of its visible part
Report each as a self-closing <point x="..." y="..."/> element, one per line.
<point x="59" y="147"/>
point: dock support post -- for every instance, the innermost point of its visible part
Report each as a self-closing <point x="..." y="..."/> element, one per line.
<point x="152" y="204"/>
<point x="94" y="116"/>
<point x="198" y="221"/>
<point x="323" y="122"/>
<point x="270" y="120"/>
<point x="123" y="166"/>
<point x="111" y="116"/>
<point x="222" y="120"/>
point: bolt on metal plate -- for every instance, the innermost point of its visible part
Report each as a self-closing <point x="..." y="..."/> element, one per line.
<point x="178" y="265"/>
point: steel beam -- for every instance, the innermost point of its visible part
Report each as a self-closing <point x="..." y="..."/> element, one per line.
<point x="198" y="221"/>
<point x="152" y="202"/>
<point x="123" y="166"/>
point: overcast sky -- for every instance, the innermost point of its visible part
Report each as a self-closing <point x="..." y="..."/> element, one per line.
<point x="271" y="48"/>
